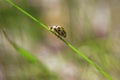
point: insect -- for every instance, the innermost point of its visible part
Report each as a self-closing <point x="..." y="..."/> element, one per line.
<point x="58" y="30"/>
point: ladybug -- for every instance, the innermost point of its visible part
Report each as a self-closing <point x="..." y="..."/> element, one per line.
<point x="58" y="30"/>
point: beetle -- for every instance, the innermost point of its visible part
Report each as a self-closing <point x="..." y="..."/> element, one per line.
<point x="59" y="30"/>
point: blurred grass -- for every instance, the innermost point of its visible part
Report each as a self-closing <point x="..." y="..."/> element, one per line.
<point x="68" y="44"/>
<point x="48" y="75"/>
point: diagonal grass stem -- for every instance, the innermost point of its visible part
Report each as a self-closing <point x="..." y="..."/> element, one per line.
<point x="67" y="43"/>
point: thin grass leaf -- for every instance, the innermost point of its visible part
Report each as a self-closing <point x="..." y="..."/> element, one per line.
<point x="67" y="43"/>
<point x="30" y="57"/>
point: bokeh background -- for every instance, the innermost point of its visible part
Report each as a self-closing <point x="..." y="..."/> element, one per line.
<point x="92" y="26"/>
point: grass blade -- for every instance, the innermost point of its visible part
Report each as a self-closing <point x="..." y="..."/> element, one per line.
<point x="67" y="43"/>
<point x="31" y="58"/>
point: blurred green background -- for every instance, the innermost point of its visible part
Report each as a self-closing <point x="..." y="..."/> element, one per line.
<point x="92" y="26"/>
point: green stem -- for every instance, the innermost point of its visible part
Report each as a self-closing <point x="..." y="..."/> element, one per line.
<point x="27" y="14"/>
<point x="67" y="43"/>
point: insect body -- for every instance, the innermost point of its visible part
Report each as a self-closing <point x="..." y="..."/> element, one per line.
<point x="59" y="31"/>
